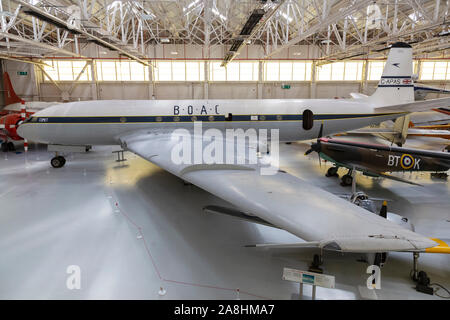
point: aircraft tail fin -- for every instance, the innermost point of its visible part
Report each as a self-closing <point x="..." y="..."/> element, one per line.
<point x="401" y="126"/>
<point x="10" y="95"/>
<point x="396" y="85"/>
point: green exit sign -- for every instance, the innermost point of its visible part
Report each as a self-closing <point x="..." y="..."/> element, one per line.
<point x="285" y="86"/>
<point x="22" y="73"/>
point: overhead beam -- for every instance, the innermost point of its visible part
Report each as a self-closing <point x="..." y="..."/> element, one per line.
<point x="39" y="44"/>
<point x="380" y="41"/>
<point x="321" y="24"/>
<point x="6" y="57"/>
<point x="249" y="26"/>
<point x="74" y="29"/>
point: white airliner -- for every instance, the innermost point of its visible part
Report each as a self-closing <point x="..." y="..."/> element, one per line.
<point x="323" y="220"/>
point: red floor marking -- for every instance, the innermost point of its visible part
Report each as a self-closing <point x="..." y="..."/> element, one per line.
<point x="156" y="267"/>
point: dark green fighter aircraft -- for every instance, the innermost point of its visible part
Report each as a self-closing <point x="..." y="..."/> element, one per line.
<point x="375" y="160"/>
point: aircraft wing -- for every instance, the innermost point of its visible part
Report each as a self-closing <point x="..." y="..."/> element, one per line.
<point x="445" y="134"/>
<point x="388" y="176"/>
<point x="416" y="106"/>
<point x="429" y="133"/>
<point x="371" y="131"/>
<point x="281" y="199"/>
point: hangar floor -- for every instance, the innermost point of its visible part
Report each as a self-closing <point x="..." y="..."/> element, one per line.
<point x="133" y="228"/>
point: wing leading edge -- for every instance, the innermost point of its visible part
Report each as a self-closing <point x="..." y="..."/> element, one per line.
<point x="416" y="106"/>
<point x="282" y="200"/>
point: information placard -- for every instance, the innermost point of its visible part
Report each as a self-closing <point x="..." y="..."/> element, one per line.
<point x="316" y="279"/>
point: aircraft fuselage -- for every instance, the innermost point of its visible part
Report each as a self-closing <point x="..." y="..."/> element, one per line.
<point x="383" y="158"/>
<point x="102" y="122"/>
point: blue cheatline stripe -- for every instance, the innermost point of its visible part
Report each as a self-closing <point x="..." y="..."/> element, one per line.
<point x="206" y="118"/>
<point x="395" y="85"/>
<point x="393" y="77"/>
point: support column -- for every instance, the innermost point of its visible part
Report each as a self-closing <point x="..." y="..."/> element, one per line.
<point x="260" y="84"/>
<point x="37" y="83"/>
<point x="312" y="88"/>
<point x="363" y="87"/>
<point x="151" y="83"/>
<point x="2" y="88"/>
<point x="94" y="87"/>
<point x="206" y="83"/>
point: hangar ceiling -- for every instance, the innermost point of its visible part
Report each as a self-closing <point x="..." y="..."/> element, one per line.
<point x="342" y="29"/>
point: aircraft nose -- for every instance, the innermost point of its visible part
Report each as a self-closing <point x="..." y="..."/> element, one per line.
<point x="22" y="131"/>
<point x="25" y="131"/>
<point x="316" y="146"/>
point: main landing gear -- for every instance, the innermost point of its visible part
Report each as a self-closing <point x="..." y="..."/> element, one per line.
<point x="8" y="146"/>
<point x="332" y="172"/>
<point x="347" y="179"/>
<point x="439" y="175"/>
<point x="58" y="161"/>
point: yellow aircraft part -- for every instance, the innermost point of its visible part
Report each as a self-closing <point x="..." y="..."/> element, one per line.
<point x="441" y="248"/>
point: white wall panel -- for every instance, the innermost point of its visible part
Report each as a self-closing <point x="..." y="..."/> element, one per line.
<point x="232" y="90"/>
<point x="333" y="90"/>
<point x="297" y="91"/>
<point x="24" y="85"/>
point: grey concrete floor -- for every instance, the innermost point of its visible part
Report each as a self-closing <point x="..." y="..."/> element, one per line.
<point x="133" y="228"/>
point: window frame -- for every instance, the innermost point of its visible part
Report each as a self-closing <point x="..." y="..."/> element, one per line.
<point x="308" y="66"/>
<point x="88" y="71"/>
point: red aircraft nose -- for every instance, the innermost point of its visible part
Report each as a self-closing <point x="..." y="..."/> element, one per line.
<point x="9" y="124"/>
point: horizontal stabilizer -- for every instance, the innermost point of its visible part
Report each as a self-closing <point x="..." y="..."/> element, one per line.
<point x="416" y="106"/>
<point x="356" y="95"/>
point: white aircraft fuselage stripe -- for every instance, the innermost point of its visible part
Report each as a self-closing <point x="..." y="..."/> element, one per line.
<point x="76" y="122"/>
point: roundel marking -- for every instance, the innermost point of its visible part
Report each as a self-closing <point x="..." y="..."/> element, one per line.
<point x="406" y="161"/>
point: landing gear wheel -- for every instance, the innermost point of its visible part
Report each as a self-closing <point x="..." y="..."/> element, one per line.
<point x="11" y="146"/>
<point x="346" y="180"/>
<point x="4" y="147"/>
<point x="332" y="172"/>
<point x="58" y="162"/>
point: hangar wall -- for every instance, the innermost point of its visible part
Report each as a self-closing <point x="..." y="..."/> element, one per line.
<point x="27" y="79"/>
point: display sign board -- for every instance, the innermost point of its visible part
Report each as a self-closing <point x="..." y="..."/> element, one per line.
<point x="22" y="73"/>
<point x="315" y="279"/>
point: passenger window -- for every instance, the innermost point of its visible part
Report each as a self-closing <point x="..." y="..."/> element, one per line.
<point x="308" y="119"/>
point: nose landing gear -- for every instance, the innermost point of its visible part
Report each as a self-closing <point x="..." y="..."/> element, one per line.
<point x="58" y="162"/>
